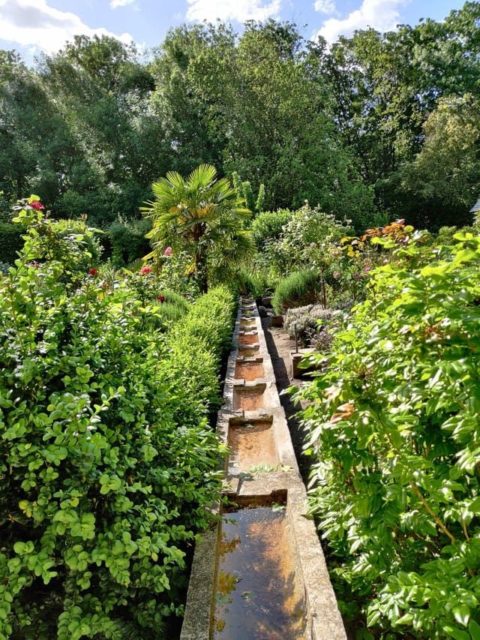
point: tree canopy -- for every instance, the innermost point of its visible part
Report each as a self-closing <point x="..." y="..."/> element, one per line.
<point x="356" y="128"/>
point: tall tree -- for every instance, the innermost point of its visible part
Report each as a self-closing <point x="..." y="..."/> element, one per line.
<point x="444" y="177"/>
<point x="387" y="85"/>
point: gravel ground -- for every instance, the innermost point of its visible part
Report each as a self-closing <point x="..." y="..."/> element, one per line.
<point x="280" y="347"/>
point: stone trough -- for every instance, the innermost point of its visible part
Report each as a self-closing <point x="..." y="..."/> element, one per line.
<point x="260" y="573"/>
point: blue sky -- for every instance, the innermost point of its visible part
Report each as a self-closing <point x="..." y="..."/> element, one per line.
<point x="30" y="26"/>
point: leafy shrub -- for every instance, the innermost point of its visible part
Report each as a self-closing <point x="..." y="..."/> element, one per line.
<point x="308" y="241"/>
<point x="298" y="289"/>
<point x="176" y="273"/>
<point x="69" y="243"/>
<point x="252" y="283"/>
<point x="170" y="307"/>
<point x="10" y="241"/>
<point x="197" y="344"/>
<point x="128" y="241"/>
<point x="268" y="226"/>
<point x="108" y="465"/>
<point x="394" y="430"/>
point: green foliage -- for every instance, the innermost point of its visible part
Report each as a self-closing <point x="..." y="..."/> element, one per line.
<point x="268" y="226"/>
<point x="387" y="86"/>
<point x="69" y="243"/>
<point x="307" y="241"/>
<point x="175" y="273"/>
<point x="254" y="283"/>
<point x="10" y="241"/>
<point x="245" y="192"/>
<point x="197" y="344"/>
<point x="78" y="131"/>
<point x="260" y="198"/>
<point x="444" y="174"/>
<point x="128" y="241"/>
<point x="394" y="434"/>
<point x="199" y="214"/>
<point x="344" y="126"/>
<point x="296" y="290"/>
<point x="108" y="465"/>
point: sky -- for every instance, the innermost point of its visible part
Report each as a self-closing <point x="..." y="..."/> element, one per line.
<point x="33" y="26"/>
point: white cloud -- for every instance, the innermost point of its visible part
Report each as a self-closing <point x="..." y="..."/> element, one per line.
<point x="382" y="15"/>
<point x="120" y="3"/>
<point x="325" y="6"/>
<point x="239" y="10"/>
<point x="34" y="23"/>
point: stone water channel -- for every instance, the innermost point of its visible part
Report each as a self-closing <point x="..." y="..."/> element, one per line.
<point x="260" y="573"/>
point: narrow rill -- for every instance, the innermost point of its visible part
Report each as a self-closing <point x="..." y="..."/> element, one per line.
<point x="249" y="398"/>
<point x="258" y="592"/>
<point x="252" y="443"/>
<point x="260" y="574"/>
<point x="245" y="370"/>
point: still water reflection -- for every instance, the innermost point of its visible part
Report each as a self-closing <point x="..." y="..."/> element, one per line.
<point x="258" y="595"/>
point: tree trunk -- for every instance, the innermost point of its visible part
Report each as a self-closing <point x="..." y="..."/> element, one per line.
<point x="200" y="259"/>
<point x="201" y="271"/>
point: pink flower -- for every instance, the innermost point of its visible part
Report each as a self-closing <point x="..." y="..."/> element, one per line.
<point x="144" y="271"/>
<point x="92" y="272"/>
<point x="36" y="204"/>
<point x="168" y="252"/>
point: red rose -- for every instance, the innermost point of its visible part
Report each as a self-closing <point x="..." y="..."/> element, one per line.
<point x="92" y="272"/>
<point x="161" y="298"/>
<point x="36" y="204"/>
<point x="144" y="271"/>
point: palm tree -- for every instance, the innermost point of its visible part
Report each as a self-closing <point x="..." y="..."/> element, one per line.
<point x="195" y="213"/>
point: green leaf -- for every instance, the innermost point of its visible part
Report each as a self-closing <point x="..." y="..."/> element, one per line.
<point x="457" y="634"/>
<point x="462" y="614"/>
<point x="474" y="629"/>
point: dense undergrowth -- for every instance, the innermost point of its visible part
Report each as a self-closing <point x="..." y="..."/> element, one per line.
<point x="108" y="465"/>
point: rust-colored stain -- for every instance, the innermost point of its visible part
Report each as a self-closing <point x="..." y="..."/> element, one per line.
<point x="248" y="338"/>
<point x="249" y="370"/>
<point x="252" y="444"/>
<point x="248" y="399"/>
<point x="258" y="594"/>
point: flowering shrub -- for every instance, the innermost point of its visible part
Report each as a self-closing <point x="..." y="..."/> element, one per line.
<point x="73" y="246"/>
<point x="108" y="465"/>
<point x="268" y="226"/>
<point x="394" y="432"/>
